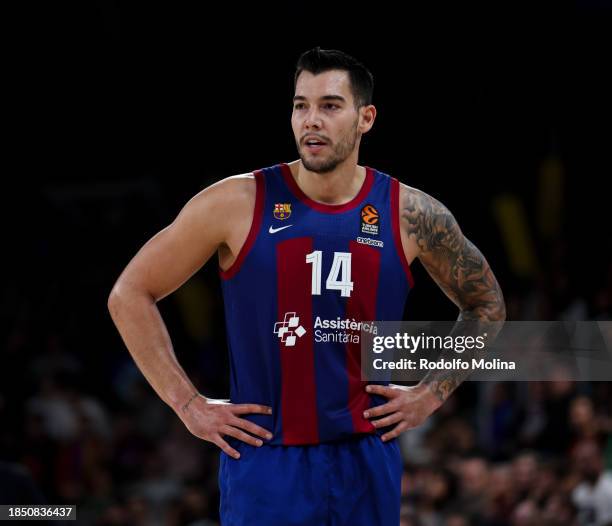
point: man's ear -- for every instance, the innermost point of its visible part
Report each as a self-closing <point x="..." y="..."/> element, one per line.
<point x="367" y="116"/>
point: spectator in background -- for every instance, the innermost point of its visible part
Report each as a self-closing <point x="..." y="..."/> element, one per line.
<point x="474" y="482"/>
<point x="502" y="494"/>
<point x="583" y="420"/>
<point x="593" y="496"/>
<point x="524" y="471"/>
<point x="526" y="514"/>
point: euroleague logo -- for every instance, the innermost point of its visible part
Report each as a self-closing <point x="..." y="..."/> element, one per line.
<point x="370" y="220"/>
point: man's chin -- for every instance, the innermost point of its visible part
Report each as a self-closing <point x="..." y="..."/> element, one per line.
<point x="319" y="166"/>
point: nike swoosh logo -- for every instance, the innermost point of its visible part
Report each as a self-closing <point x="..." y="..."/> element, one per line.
<point x="275" y="230"/>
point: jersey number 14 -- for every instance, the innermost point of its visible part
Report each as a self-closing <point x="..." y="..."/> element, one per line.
<point x="339" y="277"/>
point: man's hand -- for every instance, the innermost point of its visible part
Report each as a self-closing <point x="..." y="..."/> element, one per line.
<point x="407" y="407"/>
<point x="211" y="419"/>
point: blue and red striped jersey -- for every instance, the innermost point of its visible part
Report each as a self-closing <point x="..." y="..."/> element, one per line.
<point x="306" y="276"/>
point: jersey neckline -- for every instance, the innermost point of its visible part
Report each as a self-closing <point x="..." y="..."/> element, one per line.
<point x="323" y="207"/>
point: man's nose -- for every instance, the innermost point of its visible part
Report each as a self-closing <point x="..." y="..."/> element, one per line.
<point x="312" y="119"/>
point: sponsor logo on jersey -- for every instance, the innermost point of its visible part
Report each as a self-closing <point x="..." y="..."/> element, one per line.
<point x="370" y="220"/>
<point x="371" y="242"/>
<point x="339" y="330"/>
<point x="282" y="211"/>
<point x="288" y="329"/>
<point x="273" y="230"/>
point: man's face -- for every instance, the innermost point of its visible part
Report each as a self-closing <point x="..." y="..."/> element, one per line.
<point x="325" y="122"/>
<point x="587" y="457"/>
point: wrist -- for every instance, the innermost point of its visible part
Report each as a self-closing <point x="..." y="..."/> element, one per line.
<point x="182" y="404"/>
<point x="427" y="394"/>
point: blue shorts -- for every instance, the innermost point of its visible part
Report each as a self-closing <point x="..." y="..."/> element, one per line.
<point x="354" y="482"/>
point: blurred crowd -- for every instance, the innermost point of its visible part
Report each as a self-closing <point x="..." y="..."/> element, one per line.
<point x="537" y="453"/>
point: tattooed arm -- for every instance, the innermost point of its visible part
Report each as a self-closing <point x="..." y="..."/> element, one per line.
<point x="431" y="233"/>
<point x="459" y="269"/>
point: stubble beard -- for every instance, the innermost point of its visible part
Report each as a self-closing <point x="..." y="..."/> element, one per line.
<point x="340" y="152"/>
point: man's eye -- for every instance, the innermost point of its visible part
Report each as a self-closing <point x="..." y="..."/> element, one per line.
<point x="298" y="106"/>
<point x="330" y="106"/>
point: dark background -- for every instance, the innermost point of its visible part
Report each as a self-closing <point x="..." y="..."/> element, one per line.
<point x="118" y="114"/>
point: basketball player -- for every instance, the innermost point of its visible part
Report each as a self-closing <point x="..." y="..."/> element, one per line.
<point x="307" y="245"/>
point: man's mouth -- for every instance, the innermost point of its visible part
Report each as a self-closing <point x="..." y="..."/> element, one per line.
<point x="314" y="145"/>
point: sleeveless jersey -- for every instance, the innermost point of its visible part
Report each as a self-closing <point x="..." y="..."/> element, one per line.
<point x="306" y="276"/>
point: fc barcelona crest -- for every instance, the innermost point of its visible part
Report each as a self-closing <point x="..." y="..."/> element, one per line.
<point x="282" y="210"/>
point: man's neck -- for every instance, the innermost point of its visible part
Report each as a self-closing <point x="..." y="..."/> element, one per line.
<point x="332" y="188"/>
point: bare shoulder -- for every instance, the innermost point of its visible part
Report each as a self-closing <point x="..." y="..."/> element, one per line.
<point x="426" y="221"/>
<point x="241" y="186"/>
<point x="209" y="207"/>
<point x="227" y="208"/>
<point x="235" y="191"/>
<point x="411" y="194"/>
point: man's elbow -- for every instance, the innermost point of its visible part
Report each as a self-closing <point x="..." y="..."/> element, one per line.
<point x="488" y="311"/>
<point x="495" y="305"/>
<point x="496" y="309"/>
<point x="120" y="295"/>
<point x="126" y="294"/>
<point x="499" y="312"/>
<point x="113" y="303"/>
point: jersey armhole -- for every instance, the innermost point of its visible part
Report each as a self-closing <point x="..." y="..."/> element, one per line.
<point x="233" y="269"/>
<point x="396" y="222"/>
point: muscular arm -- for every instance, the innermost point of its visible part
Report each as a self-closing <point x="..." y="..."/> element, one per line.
<point x="459" y="269"/>
<point x="161" y="266"/>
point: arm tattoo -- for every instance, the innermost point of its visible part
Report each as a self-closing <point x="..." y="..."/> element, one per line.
<point x="460" y="270"/>
<point x="193" y="397"/>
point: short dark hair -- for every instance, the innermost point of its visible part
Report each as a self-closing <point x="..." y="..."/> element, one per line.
<point x="319" y="60"/>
